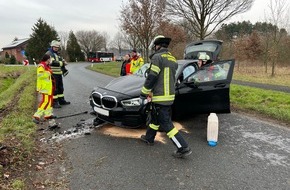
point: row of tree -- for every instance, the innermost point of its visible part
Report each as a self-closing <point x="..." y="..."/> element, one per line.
<point x="72" y="49"/>
<point x="183" y="21"/>
<point x="141" y="20"/>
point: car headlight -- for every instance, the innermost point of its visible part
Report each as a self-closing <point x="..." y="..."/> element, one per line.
<point x="131" y="102"/>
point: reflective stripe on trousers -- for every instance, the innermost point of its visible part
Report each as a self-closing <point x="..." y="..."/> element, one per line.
<point x="163" y="121"/>
<point x="44" y="107"/>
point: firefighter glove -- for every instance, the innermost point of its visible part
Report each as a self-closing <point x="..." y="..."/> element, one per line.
<point x="65" y="72"/>
<point x="142" y="100"/>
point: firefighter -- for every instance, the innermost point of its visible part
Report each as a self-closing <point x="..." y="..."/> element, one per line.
<point x="203" y="59"/>
<point x="136" y="62"/>
<point x="45" y="88"/>
<point x="58" y="71"/>
<point x="160" y="85"/>
<point x="213" y="73"/>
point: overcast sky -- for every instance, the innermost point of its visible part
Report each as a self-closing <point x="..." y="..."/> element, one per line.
<point x="17" y="17"/>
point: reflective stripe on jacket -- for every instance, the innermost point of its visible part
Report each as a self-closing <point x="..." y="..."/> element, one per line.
<point x="44" y="80"/>
<point x="56" y="62"/>
<point x="136" y="64"/>
<point x="161" y="78"/>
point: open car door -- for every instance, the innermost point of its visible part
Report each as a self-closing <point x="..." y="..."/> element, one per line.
<point x="206" y="90"/>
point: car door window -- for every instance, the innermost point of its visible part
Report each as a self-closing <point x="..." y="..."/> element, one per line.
<point x="188" y="71"/>
<point x="213" y="72"/>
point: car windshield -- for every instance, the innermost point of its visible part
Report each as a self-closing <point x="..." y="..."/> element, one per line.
<point x="142" y="70"/>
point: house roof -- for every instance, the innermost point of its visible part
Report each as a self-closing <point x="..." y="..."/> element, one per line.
<point x="15" y="43"/>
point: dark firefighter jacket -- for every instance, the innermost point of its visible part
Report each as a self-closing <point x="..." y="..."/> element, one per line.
<point x="161" y="78"/>
<point x="56" y="62"/>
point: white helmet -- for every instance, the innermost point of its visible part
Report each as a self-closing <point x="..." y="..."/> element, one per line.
<point x="160" y="39"/>
<point x="203" y="57"/>
<point x="55" y="43"/>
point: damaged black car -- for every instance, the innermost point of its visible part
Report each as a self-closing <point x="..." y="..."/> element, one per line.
<point x="198" y="90"/>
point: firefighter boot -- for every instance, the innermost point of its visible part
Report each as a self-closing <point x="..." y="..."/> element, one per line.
<point x="181" y="153"/>
<point x="149" y="137"/>
<point x="182" y="147"/>
<point x="62" y="101"/>
<point x="143" y="138"/>
<point x="56" y="104"/>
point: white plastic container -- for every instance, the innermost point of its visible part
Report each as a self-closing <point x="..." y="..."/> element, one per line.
<point x="212" y="129"/>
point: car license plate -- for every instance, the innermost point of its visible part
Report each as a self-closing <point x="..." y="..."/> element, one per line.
<point x="101" y="111"/>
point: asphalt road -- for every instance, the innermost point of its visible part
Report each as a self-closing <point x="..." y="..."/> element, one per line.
<point x="251" y="153"/>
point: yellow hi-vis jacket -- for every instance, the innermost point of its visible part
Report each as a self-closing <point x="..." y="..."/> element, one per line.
<point x="136" y="64"/>
<point x="161" y="78"/>
<point x="44" y="79"/>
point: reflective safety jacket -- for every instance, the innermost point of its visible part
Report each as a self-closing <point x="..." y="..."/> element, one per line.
<point x="56" y="62"/>
<point x="136" y="64"/>
<point x="161" y="78"/>
<point x="44" y="79"/>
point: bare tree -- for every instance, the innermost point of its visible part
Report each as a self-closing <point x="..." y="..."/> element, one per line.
<point x="63" y="36"/>
<point x="178" y="36"/>
<point x="279" y="17"/>
<point x="117" y="41"/>
<point x="91" y="40"/>
<point x="106" y="38"/>
<point x="204" y="16"/>
<point x="140" y="18"/>
<point x="132" y="40"/>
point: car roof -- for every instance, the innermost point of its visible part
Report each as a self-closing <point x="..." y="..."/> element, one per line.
<point x="184" y="61"/>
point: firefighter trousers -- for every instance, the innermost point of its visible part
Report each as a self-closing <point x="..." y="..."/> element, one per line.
<point x="161" y="117"/>
<point x="58" y="95"/>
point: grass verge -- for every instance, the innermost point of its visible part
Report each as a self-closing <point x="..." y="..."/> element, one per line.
<point x="17" y="104"/>
<point x="265" y="102"/>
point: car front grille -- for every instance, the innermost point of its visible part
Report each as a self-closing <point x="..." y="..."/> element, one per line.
<point x="105" y="101"/>
<point x="97" y="97"/>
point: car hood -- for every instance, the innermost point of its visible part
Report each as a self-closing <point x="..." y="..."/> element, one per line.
<point x="211" y="47"/>
<point x="129" y="86"/>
